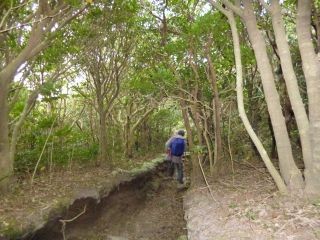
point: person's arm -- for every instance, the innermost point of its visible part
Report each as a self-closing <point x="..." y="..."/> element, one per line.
<point x="185" y="147"/>
<point x="168" y="143"/>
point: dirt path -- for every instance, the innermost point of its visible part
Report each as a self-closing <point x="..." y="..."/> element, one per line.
<point x="147" y="208"/>
<point x="151" y="211"/>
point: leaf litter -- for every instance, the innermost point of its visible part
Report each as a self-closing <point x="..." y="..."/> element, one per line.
<point x="249" y="207"/>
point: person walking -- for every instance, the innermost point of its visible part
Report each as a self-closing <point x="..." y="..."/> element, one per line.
<point x="168" y="161"/>
<point x="177" y="146"/>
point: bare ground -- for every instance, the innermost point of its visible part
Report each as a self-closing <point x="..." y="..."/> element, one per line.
<point x="152" y="213"/>
<point x="26" y="205"/>
<point x="247" y="206"/>
<point x="148" y="208"/>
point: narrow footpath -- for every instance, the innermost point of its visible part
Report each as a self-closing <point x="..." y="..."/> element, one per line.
<point x="147" y="208"/>
<point x="153" y="211"/>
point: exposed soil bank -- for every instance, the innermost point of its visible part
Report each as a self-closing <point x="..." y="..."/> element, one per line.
<point x="146" y="207"/>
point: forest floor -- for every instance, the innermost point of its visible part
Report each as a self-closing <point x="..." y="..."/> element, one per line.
<point x="151" y="209"/>
<point x="156" y="213"/>
<point x="28" y="204"/>
<point x="246" y="205"/>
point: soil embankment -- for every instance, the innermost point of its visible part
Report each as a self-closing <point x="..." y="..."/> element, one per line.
<point x="147" y="206"/>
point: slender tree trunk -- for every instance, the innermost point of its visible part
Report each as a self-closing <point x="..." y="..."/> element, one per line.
<point x="131" y="131"/>
<point x="288" y="168"/>
<point x="129" y="148"/>
<point x="291" y="83"/>
<point x="311" y="69"/>
<point x="6" y="77"/>
<point x="273" y="152"/>
<point x="253" y="107"/>
<point x="102" y="138"/>
<point x="92" y="124"/>
<point x="127" y="130"/>
<point x="196" y="120"/>
<point x="15" y="133"/>
<point x="274" y="173"/>
<point x="6" y="165"/>
<point x="196" y="179"/>
<point x="211" y="152"/>
<point x="195" y="108"/>
<point x="316" y="22"/>
<point x="196" y="175"/>
<point x="218" y="160"/>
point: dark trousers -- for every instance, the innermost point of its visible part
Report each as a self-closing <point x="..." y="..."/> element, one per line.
<point x="170" y="168"/>
<point x="179" y="169"/>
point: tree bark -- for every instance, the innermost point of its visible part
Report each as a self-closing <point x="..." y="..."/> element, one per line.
<point x="6" y="77"/>
<point x="102" y="138"/>
<point x="218" y="160"/>
<point x="131" y="130"/>
<point x="208" y="141"/>
<point x="127" y="127"/>
<point x="311" y="69"/>
<point x="288" y="168"/>
<point x="6" y="165"/>
<point x="274" y="173"/>
<point x="195" y="109"/>
<point x="26" y="110"/>
<point x="196" y="179"/>
<point x="36" y="42"/>
<point x="316" y="22"/>
<point x="273" y="151"/>
<point x="291" y="82"/>
<point x="196" y="175"/>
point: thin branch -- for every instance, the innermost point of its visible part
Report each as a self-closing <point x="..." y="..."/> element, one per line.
<point x="205" y="179"/>
<point x="6" y="15"/>
<point x="33" y="22"/>
<point x="44" y="146"/>
<point x="64" y="222"/>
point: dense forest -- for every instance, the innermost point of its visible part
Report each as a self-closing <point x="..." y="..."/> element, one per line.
<point x="106" y="82"/>
<point x="103" y="84"/>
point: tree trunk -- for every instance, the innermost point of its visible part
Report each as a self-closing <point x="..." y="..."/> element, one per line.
<point x="291" y="82"/>
<point x="130" y="131"/>
<point x="218" y="160"/>
<point x="195" y="109"/>
<point x="311" y="69"/>
<point x="196" y="178"/>
<point x="288" y="168"/>
<point x="129" y="147"/>
<point x="254" y="115"/>
<point x="127" y="130"/>
<point x="6" y="77"/>
<point x="316" y="22"/>
<point x="6" y="165"/>
<point x="273" y="152"/>
<point x="102" y="138"/>
<point x="196" y="120"/>
<point x="274" y="173"/>
<point x="26" y="110"/>
<point x="208" y="142"/>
